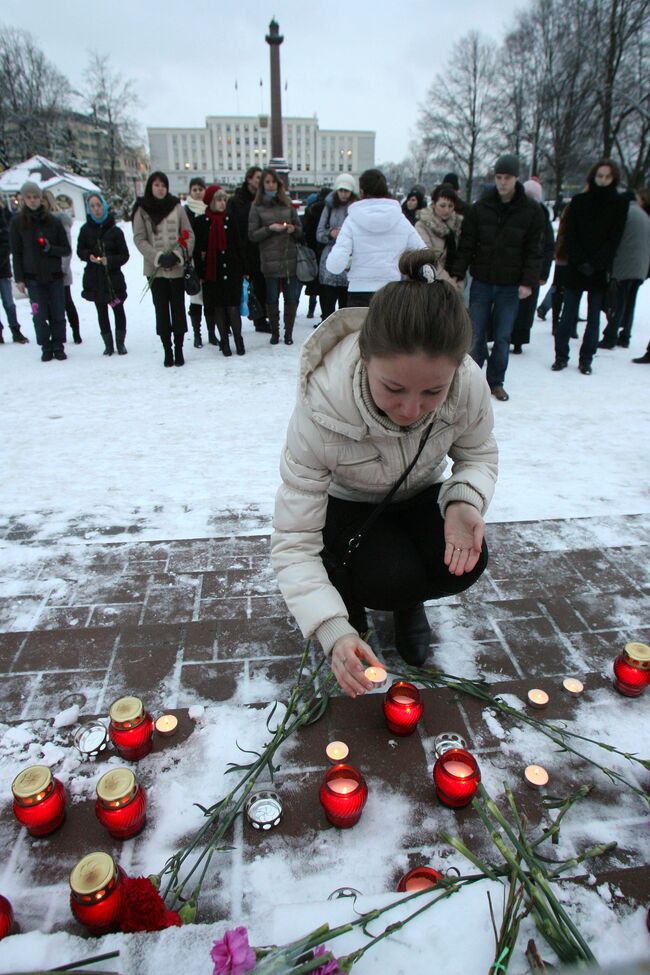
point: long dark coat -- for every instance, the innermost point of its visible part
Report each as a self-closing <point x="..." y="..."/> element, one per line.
<point x="31" y="262"/>
<point x="595" y="221"/>
<point x="225" y="291"/>
<point x="103" y="283"/>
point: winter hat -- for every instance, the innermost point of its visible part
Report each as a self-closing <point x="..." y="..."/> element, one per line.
<point x="311" y="199"/>
<point x="507" y="165"/>
<point x="345" y="182"/>
<point x="419" y="196"/>
<point x="452" y="180"/>
<point x="210" y="192"/>
<point x="533" y="189"/>
<point x="31" y="188"/>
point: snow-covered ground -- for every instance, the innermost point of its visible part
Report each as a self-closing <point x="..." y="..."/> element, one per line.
<point x="123" y="443"/>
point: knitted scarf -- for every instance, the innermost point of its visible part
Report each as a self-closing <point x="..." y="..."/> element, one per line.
<point x="217" y="241"/>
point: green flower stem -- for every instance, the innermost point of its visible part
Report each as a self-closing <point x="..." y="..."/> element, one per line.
<point x="553" y="830"/>
<point x="595" y="851"/>
<point x="462" y="849"/>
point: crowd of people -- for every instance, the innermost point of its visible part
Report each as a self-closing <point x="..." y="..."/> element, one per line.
<point x="199" y="254"/>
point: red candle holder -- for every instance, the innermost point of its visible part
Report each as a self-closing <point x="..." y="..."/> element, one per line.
<point x="456" y="776"/>
<point x="39" y="800"/>
<point x="6" y="918"/>
<point x="403" y="707"/>
<point x="96" y="893"/>
<point x="421" y="878"/>
<point x="131" y="728"/>
<point x="121" y="803"/>
<point x="343" y="795"/>
<point x="632" y="669"/>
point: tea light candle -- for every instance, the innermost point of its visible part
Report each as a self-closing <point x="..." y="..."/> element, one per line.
<point x="573" y="686"/>
<point x="536" y="776"/>
<point x="263" y="810"/>
<point x="403" y="708"/>
<point x="343" y="795"/>
<point x="91" y="740"/>
<point x="537" y="698"/>
<point x="456" y="776"/>
<point x="131" y="728"/>
<point x="376" y="676"/>
<point x="96" y="893"/>
<point x="6" y="918"/>
<point x="337" y="751"/>
<point x="121" y="803"/>
<point x="632" y="669"/>
<point x="421" y="878"/>
<point x="39" y="800"/>
<point x="166" y="724"/>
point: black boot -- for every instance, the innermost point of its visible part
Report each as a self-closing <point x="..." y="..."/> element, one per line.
<point x="195" y="318"/>
<point x="17" y="335"/>
<point x="119" y="340"/>
<point x="109" y="348"/>
<point x="76" y="334"/>
<point x="234" y="318"/>
<point x="289" y="321"/>
<point x="261" y="325"/>
<point x="273" y="312"/>
<point x="2" y="340"/>
<point x="645" y="358"/>
<point x="210" y="325"/>
<point x="222" y="325"/>
<point x="179" y="359"/>
<point x="169" y="352"/>
<point x="412" y="634"/>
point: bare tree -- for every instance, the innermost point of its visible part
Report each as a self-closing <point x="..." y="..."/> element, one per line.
<point x="454" y="122"/>
<point x="33" y="95"/>
<point x="110" y="99"/>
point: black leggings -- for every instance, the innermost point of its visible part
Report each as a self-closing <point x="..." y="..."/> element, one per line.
<point x="169" y="301"/>
<point x="401" y="559"/>
<point x="104" y="321"/>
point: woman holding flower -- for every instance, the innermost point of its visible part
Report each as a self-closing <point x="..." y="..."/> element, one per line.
<point x="163" y="235"/>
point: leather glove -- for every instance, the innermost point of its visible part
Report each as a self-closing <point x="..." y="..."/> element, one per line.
<point x="586" y="269"/>
<point x="44" y="244"/>
<point x="168" y="260"/>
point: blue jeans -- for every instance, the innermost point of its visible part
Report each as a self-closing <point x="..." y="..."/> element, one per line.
<point x="501" y="303"/>
<point x="569" y="320"/>
<point x="8" y="302"/>
<point x="48" y="313"/>
<point x="290" y="288"/>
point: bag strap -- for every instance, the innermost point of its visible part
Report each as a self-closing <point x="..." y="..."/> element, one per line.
<point x="356" y="540"/>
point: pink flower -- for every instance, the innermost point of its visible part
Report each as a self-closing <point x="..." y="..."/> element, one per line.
<point x="232" y="955"/>
<point x="330" y="967"/>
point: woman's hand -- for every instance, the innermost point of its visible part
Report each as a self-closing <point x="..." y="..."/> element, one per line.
<point x="290" y="228"/>
<point x="334" y="232"/>
<point x="277" y="227"/>
<point x="347" y="655"/>
<point x="464" y="530"/>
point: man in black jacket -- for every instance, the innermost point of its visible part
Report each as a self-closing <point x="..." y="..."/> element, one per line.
<point x="501" y="244"/>
<point x="239" y="206"/>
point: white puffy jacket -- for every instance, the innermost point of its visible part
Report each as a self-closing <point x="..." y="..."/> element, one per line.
<point x="335" y="446"/>
<point x="370" y="243"/>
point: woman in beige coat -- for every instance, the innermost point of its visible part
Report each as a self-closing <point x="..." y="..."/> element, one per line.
<point x="439" y="225"/>
<point x="159" y="225"/>
<point x="374" y="385"/>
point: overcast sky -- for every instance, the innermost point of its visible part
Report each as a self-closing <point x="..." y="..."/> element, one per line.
<point x="358" y="65"/>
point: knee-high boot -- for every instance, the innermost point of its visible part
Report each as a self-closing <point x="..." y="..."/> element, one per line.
<point x="289" y="319"/>
<point x="120" y="335"/>
<point x="195" y="318"/>
<point x="222" y="325"/>
<point x="210" y="323"/>
<point x="179" y="359"/>
<point x="169" y="352"/>
<point x="109" y="348"/>
<point x="234" y="318"/>
<point x="273" y="313"/>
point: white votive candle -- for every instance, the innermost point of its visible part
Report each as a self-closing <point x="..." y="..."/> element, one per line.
<point x="342" y="786"/>
<point x="166" y="724"/>
<point x="573" y="685"/>
<point x="337" y="751"/>
<point x="537" y="698"/>
<point x="458" y="769"/>
<point x="536" y="776"/>
<point x="376" y="676"/>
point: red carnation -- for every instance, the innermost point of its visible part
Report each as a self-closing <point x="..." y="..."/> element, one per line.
<point x="184" y="237"/>
<point x="144" y="909"/>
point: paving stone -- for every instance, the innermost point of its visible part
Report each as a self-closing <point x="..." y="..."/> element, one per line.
<point x="51" y="650"/>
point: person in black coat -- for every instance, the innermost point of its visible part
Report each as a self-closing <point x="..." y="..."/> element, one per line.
<point x="239" y="206"/>
<point x="414" y="201"/>
<point x="501" y="244"/>
<point x="594" y="226"/>
<point x="220" y="261"/>
<point x="310" y="221"/>
<point x="526" y="313"/>
<point x="102" y="246"/>
<point x="38" y="245"/>
<point x="5" y="280"/>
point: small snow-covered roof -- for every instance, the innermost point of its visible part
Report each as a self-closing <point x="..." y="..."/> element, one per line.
<point x="45" y="173"/>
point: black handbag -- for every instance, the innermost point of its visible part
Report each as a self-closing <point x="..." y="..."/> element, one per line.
<point x="191" y="282"/>
<point x="255" y="307"/>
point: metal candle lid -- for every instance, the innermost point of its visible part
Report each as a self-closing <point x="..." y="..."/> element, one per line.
<point x="92" y="874"/>
<point x="638" y="654"/>
<point x="90" y="740"/>
<point x="31" y="781"/>
<point x="263" y="810"/>
<point x="116" y="785"/>
<point x="446" y="740"/>
<point x="127" y="712"/>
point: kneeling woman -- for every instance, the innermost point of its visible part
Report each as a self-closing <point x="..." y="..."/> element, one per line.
<point x="384" y="391"/>
<point x="102" y="246"/>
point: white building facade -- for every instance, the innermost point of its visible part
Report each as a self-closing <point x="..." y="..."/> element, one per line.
<point x="223" y="150"/>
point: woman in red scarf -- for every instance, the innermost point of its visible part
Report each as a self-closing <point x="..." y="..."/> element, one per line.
<point x="220" y="262"/>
